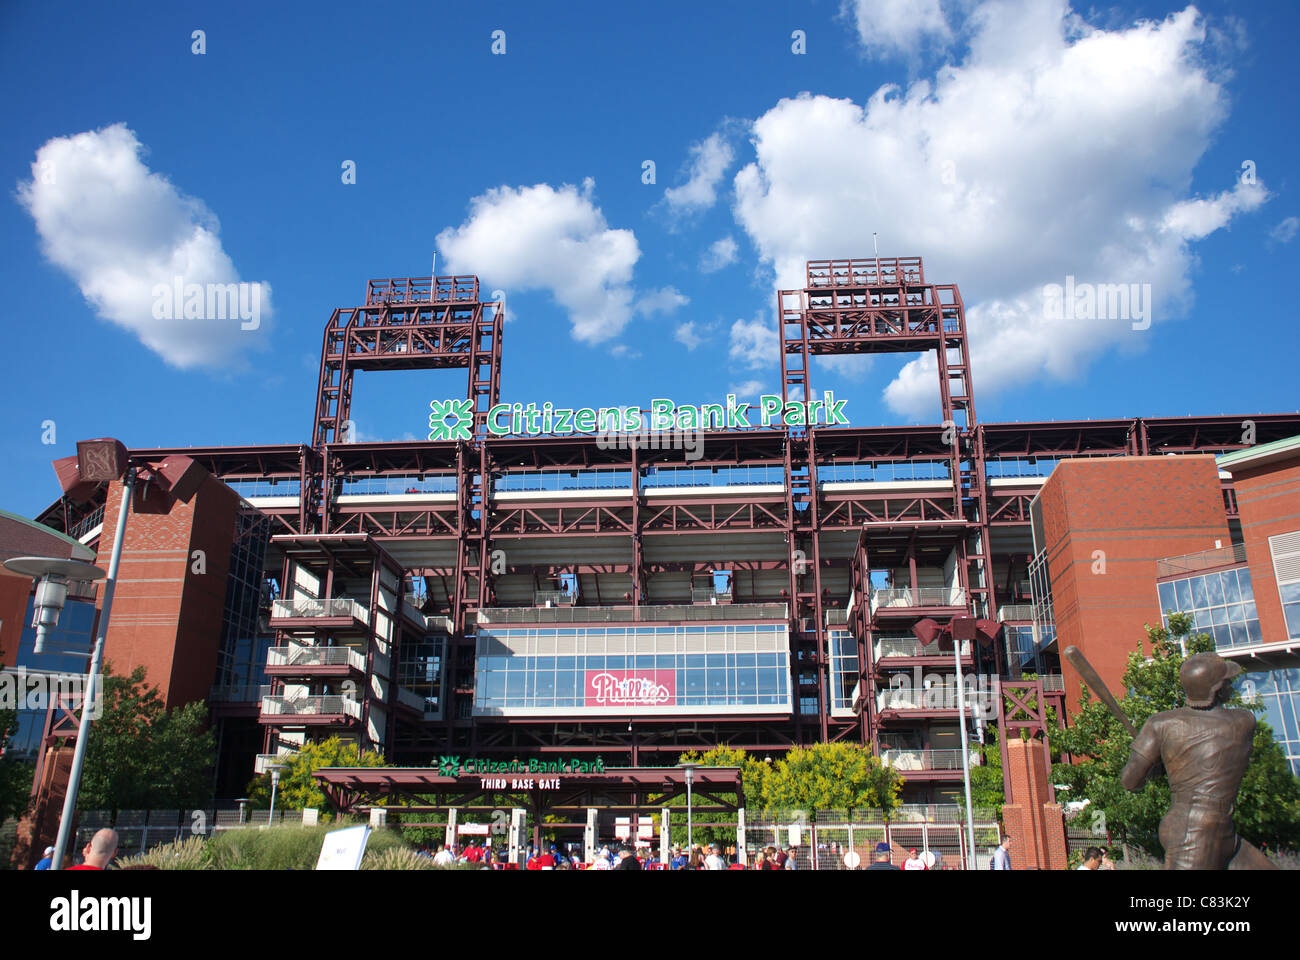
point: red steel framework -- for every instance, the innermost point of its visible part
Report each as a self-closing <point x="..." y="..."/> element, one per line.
<point x="824" y="538"/>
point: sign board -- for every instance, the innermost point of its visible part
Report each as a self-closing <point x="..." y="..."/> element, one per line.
<point x="343" y="849"/>
<point x="476" y="829"/>
<point x="796" y="835"/>
<point x="453" y="419"/>
<point x="851" y="860"/>
<point x="630" y="688"/>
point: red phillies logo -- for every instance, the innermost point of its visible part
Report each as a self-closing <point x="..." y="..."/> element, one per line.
<point x="646" y="689"/>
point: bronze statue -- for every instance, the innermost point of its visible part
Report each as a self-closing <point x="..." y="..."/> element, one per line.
<point x="1204" y="749"/>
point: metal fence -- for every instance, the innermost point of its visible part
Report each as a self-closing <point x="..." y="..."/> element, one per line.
<point x="939" y="829"/>
<point x="139" y="830"/>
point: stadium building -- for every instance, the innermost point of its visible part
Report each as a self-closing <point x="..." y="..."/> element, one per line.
<point x="628" y="585"/>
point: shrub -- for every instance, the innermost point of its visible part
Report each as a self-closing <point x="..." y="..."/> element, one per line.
<point x="396" y="858"/>
<point x="188" y="854"/>
<point x="284" y="848"/>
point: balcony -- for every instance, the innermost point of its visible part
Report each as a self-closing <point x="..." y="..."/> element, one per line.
<point x="314" y="661"/>
<point x="1202" y="560"/>
<point x="709" y="595"/>
<point x="1053" y="683"/>
<point x="912" y="649"/>
<point x="902" y="600"/>
<point x="330" y="709"/>
<point x="629" y="614"/>
<point x="410" y="700"/>
<point x="310" y="608"/>
<point x="932" y="761"/>
<point x="1010" y="612"/>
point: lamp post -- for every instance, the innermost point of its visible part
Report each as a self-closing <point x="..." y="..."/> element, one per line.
<point x="965" y="755"/>
<point x="275" y="782"/>
<point x="690" y="779"/>
<point x="962" y="628"/>
<point x="96" y="661"/>
<point x="52" y="576"/>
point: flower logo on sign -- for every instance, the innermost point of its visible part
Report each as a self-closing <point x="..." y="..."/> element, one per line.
<point x="607" y="688"/>
<point x="449" y="766"/>
<point x="450" y="419"/>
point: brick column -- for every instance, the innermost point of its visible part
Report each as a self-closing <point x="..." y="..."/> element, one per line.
<point x="1033" y="820"/>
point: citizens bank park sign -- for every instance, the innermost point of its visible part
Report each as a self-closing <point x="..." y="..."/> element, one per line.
<point x="454" y="419"/>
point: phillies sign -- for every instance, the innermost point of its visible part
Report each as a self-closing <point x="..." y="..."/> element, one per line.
<point x="630" y="688"/>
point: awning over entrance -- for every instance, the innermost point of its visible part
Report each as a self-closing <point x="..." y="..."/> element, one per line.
<point x="713" y="789"/>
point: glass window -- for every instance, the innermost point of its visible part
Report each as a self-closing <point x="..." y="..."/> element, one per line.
<point x="1184" y="596"/>
<point x="1214" y="589"/>
<point x="1198" y="591"/>
<point x="1231" y="592"/>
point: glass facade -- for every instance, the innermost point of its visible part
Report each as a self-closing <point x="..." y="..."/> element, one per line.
<point x="1222" y="601"/>
<point x="419" y="670"/>
<point x="245" y="628"/>
<point x="635" y="669"/>
<point x="1290" y="594"/>
<point x="844" y="670"/>
<point x="67" y="650"/>
<point x="1279" y="693"/>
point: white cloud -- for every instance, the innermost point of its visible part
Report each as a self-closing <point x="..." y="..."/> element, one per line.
<point x="120" y="231"/>
<point x="897" y="26"/>
<point x="1285" y="231"/>
<point x="557" y="240"/>
<point x="746" y="388"/>
<point x="1054" y="149"/>
<point x="686" y="335"/>
<point x="721" y="253"/>
<point x="710" y="159"/>
<point x="854" y="367"/>
<point x="664" y="300"/>
<point x="753" y="344"/>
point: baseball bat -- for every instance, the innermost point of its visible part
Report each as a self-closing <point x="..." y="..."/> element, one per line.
<point x="1094" y="682"/>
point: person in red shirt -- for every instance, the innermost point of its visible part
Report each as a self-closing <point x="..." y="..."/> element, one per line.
<point x="473" y="854"/>
<point x="101" y="850"/>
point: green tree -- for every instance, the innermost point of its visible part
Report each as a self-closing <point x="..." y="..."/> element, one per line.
<point x="298" y="788"/>
<point x="832" y="776"/>
<point x="752" y="774"/>
<point x="15" y="775"/>
<point x="141" y="755"/>
<point x="1268" y="804"/>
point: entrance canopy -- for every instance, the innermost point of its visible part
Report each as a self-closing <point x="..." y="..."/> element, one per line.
<point x="713" y="789"/>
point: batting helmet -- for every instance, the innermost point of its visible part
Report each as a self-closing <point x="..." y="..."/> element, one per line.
<point x="1203" y="675"/>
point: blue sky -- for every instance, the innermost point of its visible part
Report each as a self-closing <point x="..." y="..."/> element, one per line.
<point x="1023" y="143"/>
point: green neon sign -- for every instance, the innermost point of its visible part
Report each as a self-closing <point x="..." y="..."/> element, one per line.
<point x="454" y="419"/>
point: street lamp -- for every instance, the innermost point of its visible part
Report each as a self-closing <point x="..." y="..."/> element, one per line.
<point x="52" y="576"/>
<point x="690" y="779"/>
<point x="961" y="628"/>
<point x="275" y="782"/>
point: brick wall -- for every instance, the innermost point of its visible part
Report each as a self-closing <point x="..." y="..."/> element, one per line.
<point x="1030" y="816"/>
<point x="1106" y="523"/>
<point x="1268" y="503"/>
<point x="171" y="589"/>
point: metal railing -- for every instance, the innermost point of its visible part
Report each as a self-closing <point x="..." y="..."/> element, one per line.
<point x="904" y="760"/>
<point x="731" y="611"/>
<point x="328" y="705"/>
<point x="934" y="698"/>
<point x="918" y="597"/>
<point x="707" y="595"/>
<point x="326" y="607"/>
<point x="554" y="598"/>
<point x="1053" y="681"/>
<point x="913" y="648"/>
<point x="1201" y="560"/>
<point x="315" y="657"/>
<point x="264" y="761"/>
<point x="836" y="618"/>
<point x="1016" y="611"/>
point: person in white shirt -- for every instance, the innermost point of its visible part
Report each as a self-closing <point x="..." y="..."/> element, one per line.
<point x="602" y="860"/>
<point x="444" y="857"/>
<point x="1001" y="856"/>
<point x="913" y="862"/>
<point x="714" y="860"/>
